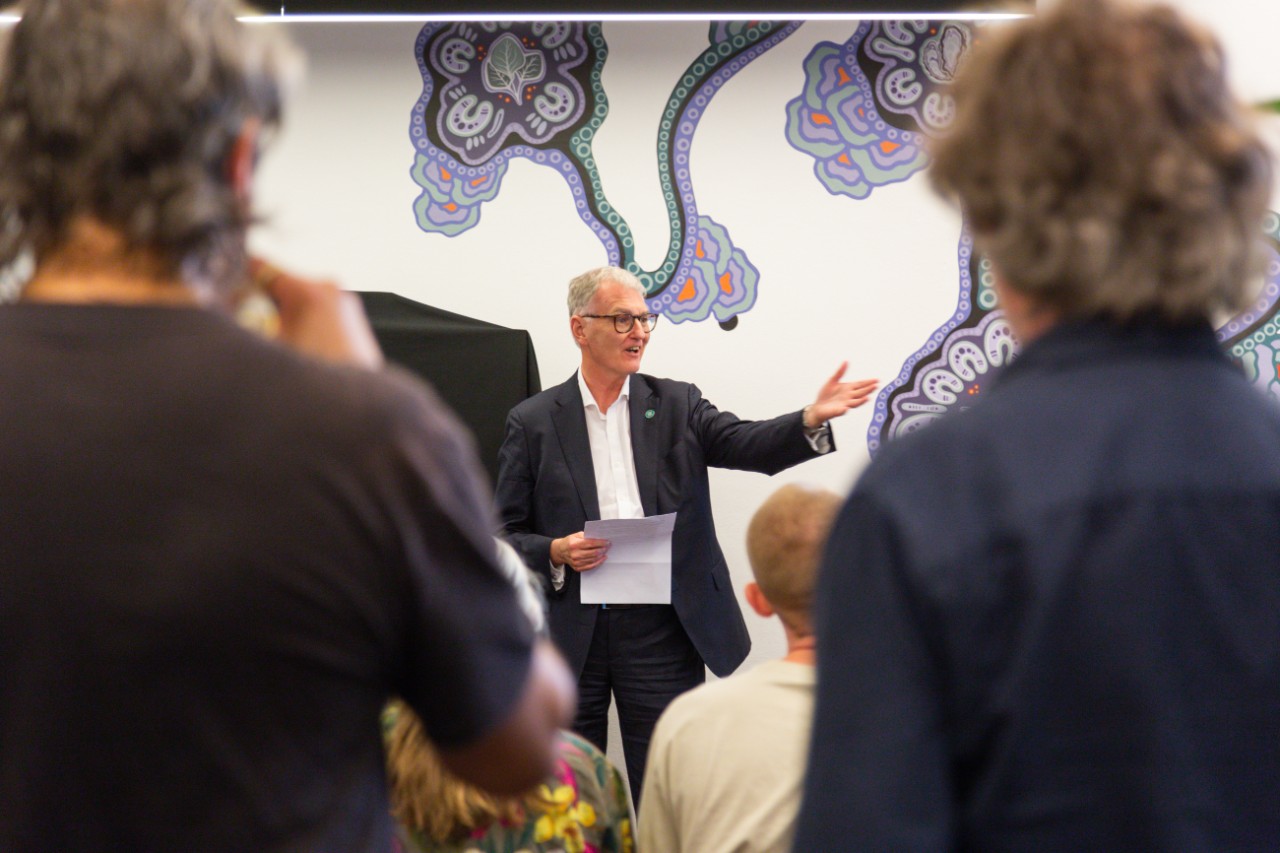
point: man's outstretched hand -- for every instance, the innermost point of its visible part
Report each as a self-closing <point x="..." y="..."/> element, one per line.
<point x="836" y="397"/>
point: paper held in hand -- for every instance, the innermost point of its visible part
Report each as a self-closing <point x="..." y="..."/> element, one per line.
<point x="638" y="568"/>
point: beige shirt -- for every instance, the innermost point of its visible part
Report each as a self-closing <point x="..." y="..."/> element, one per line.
<point x="726" y="764"/>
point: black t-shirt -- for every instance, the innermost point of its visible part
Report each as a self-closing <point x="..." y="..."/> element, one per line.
<point x="217" y="560"/>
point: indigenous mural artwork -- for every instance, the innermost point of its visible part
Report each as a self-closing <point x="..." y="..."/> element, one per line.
<point x="1252" y="337"/>
<point x="497" y="91"/>
<point x="867" y="108"/>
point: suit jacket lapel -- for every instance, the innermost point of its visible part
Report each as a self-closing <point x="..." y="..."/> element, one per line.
<point x="571" y="428"/>
<point x="645" y="415"/>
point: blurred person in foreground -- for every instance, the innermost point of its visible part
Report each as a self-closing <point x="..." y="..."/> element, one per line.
<point x="1053" y="622"/>
<point x="582" y="805"/>
<point x="727" y="758"/>
<point x="219" y="554"/>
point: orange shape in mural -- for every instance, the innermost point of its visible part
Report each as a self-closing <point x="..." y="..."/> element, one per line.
<point x="889" y="147"/>
<point x="697" y="250"/>
<point x="844" y="76"/>
<point x="726" y="283"/>
<point x="478" y="181"/>
<point x="451" y="207"/>
<point x="819" y="118"/>
<point x="844" y="158"/>
<point x="445" y="174"/>
<point x="689" y="291"/>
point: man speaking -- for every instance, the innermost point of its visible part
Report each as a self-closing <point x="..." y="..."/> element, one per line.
<point x="614" y="443"/>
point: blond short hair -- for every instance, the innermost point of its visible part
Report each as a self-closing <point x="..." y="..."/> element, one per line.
<point x="784" y="545"/>
<point x="426" y="798"/>
<point x="1104" y="165"/>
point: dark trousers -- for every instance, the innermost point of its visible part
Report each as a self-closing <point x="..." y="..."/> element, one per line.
<point x="644" y="659"/>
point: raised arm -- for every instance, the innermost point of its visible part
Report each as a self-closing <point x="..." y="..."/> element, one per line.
<point x="318" y="318"/>
<point x="836" y="397"/>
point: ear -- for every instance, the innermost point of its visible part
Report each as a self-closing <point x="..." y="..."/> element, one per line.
<point x="578" y="328"/>
<point x="755" y="598"/>
<point x="242" y="159"/>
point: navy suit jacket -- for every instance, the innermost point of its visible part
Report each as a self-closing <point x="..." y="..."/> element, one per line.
<point x="546" y="488"/>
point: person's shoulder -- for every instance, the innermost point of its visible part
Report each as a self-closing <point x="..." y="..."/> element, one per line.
<point x="393" y="394"/>
<point x="703" y="701"/>
<point x="661" y="386"/>
<point x="642" y="384"/>
<point x="664" y="384"/>
<point x="691" y="713"/>
<point x="315" y="389"/>
<point x="580" y="754"/>
<point x="359" y="410"/>
<point x="697" y="714"/>
<point x="543" y="400"/>
<point x="943" y="450"/>
<point x="783" y="673"/>
<point x="596" y="776"/>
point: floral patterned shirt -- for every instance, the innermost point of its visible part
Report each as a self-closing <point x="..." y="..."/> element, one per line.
<point x="589" y="813"/>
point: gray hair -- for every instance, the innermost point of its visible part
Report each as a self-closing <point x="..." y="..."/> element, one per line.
<point x="126" y="111"/>
<point x="1105" y="166"/>
<point x="582" y="288"/>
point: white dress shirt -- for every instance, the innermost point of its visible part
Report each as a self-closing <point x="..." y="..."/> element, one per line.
<point x="614" y="464"/>
<point x="609" y="434"/>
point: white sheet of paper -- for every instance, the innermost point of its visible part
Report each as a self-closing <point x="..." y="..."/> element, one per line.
<point x="638" y="568"/>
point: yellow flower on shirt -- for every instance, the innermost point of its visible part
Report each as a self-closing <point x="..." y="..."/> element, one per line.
<point x="564" y="819"/>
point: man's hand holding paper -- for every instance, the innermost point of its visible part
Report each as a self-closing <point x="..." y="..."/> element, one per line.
<point x="638" y="569"/>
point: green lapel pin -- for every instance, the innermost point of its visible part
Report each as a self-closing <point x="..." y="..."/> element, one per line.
<point x="649" y="413"/>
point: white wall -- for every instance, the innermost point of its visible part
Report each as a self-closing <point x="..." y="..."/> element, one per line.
<point x="865" y="281"/>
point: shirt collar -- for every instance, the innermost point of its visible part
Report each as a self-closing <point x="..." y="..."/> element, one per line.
<point x="1089" y="340"/>
<point x="589" y="402"/>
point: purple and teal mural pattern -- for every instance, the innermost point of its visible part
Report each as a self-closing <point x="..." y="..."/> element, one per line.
<point x="497" y="91"/>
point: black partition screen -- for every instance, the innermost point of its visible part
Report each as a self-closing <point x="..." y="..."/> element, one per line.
<point x="480" y="369"/>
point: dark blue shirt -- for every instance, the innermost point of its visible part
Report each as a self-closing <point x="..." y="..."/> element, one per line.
<point x="1053" y="622"/>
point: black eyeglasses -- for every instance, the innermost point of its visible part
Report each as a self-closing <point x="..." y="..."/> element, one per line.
<point x="622" y="323"/>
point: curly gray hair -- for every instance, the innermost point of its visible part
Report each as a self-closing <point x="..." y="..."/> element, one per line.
<point x="126" y="111"/>
<point x="1105" y="166"/>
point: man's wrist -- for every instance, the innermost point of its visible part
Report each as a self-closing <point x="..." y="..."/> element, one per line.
<point x="804" y="418"/>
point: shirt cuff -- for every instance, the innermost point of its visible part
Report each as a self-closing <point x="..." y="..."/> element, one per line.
<point x="557" y="577"/>
<point x="819" y="438"/>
